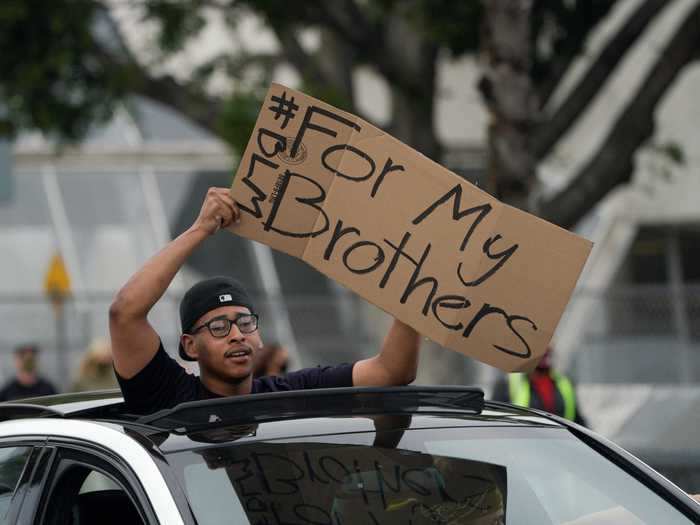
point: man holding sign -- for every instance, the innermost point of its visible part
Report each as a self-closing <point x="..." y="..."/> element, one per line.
<point x="437" y="253"/>
<point x="220" y="332"/>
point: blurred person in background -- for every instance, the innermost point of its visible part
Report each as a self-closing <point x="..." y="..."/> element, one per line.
<point x="271" y="360"/>
<point x="544" y="388"/>
<point x="96" y="369"/>
<point x="27" y="381"/>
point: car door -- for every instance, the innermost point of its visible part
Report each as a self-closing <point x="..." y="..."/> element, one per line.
<point x="81" y="484"/>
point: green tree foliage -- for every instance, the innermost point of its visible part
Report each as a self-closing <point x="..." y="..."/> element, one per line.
<point x="363" y="29"/>
<point x="64" y="69"/>
<point x="64" y="66"/>
<point x="53" y="75"/>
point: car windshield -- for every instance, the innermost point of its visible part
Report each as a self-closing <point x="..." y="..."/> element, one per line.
<point x="469" y="475"/>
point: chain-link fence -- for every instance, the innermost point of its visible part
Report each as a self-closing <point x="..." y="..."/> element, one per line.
<point x="638" y="334"/>
<point x="647" y="334"/>
<point x="326" y="331"/>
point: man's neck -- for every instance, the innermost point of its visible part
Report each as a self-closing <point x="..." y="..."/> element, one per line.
<point x="227" y="388"/>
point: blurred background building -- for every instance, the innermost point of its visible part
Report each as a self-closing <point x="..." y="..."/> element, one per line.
<point x="630" y="335"/>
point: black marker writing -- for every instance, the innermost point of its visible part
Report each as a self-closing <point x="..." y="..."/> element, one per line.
<point x="338" y="232"/>
<point x="453" y="302"/>
<point x="375" y="261"/>
<point x="501" y="257"/>
<point x="308" y="124"/>
<point x="486" y="310"/>
<point x="260" y="195"/>
<point x="370" y="165"/>
<point x="455" y="193"/>
<point x="389" y="166"/>
<point x="279" y="144"/>
<point x="285" y="108"/>
<point x="312" y="202"/>
<point x="415" y="282"/>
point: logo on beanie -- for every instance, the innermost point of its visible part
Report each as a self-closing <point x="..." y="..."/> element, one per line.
<point x="225" y="298"/>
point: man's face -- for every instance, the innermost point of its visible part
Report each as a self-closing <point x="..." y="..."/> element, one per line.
<point x="25" y="360"/>
<point x="229" y="358"/>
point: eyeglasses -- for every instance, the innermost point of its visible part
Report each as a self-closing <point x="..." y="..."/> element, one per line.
<point x="221" y="326"/>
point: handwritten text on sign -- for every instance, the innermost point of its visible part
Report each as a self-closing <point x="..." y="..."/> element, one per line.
<point x="475" y="275"/>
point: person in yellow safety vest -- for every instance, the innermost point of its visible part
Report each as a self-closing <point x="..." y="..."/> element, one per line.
<point x="544" y="388"/>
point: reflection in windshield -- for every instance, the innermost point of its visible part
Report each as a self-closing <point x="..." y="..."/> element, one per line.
<point x="355" y="484"/>
<point x="446" y="476"/>
<point x="339" y="484"/>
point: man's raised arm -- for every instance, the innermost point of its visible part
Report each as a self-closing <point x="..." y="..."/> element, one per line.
<point x="134" y="341"/>
<point x="397" y="362"/>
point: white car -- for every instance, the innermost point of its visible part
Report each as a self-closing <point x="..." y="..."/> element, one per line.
<point x="409" y="455"/>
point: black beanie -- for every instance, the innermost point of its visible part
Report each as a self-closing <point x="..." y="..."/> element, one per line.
<point x="207" y="295"/>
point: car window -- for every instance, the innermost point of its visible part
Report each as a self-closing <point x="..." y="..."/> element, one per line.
<point x="12" y="463"/>
<point x="570" y="482"/>
<point x="518" y="475"/>
<point x="80" y="494"/>
<point x="96" y="481"/>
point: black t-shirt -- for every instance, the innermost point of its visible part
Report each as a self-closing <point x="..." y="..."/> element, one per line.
<point x="163" y="383"/>
<point x="16" y="390"/>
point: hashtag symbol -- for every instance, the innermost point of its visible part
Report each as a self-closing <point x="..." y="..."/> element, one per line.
<point x="284" y="108"/>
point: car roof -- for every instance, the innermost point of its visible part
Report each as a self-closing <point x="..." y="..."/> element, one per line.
<point x="70" y="402"/>
<point x="284" y="414"/>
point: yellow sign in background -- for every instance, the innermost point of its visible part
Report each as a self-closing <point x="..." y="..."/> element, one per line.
<point x="57" y="280"/>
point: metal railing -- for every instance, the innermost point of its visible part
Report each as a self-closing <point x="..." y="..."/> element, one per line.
<point x="629" y="334"/>
<point x="641" y="333"/>
<point x="323" y="335"/>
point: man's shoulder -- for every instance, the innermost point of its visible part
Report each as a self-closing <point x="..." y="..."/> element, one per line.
<point x="328" y="376"/>
<point x="265" y="384"/>
<point x="161" y="363"/>
<point x="162" y="383"/>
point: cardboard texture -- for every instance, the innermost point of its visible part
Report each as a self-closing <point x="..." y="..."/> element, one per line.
<point x="473" y="274"/>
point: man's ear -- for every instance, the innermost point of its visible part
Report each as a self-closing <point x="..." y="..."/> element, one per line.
<point x="189" y="345"/>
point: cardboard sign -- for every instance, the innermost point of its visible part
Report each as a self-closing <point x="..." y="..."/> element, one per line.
<point x="408" y="235"/>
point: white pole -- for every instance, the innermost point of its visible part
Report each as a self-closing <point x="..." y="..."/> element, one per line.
<point x="264" y="265"/>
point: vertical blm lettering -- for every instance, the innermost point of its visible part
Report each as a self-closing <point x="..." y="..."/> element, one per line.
<point x="257" y="163"/>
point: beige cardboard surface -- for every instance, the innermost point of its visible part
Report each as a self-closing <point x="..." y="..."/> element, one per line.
<point x="408" y="235"/>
